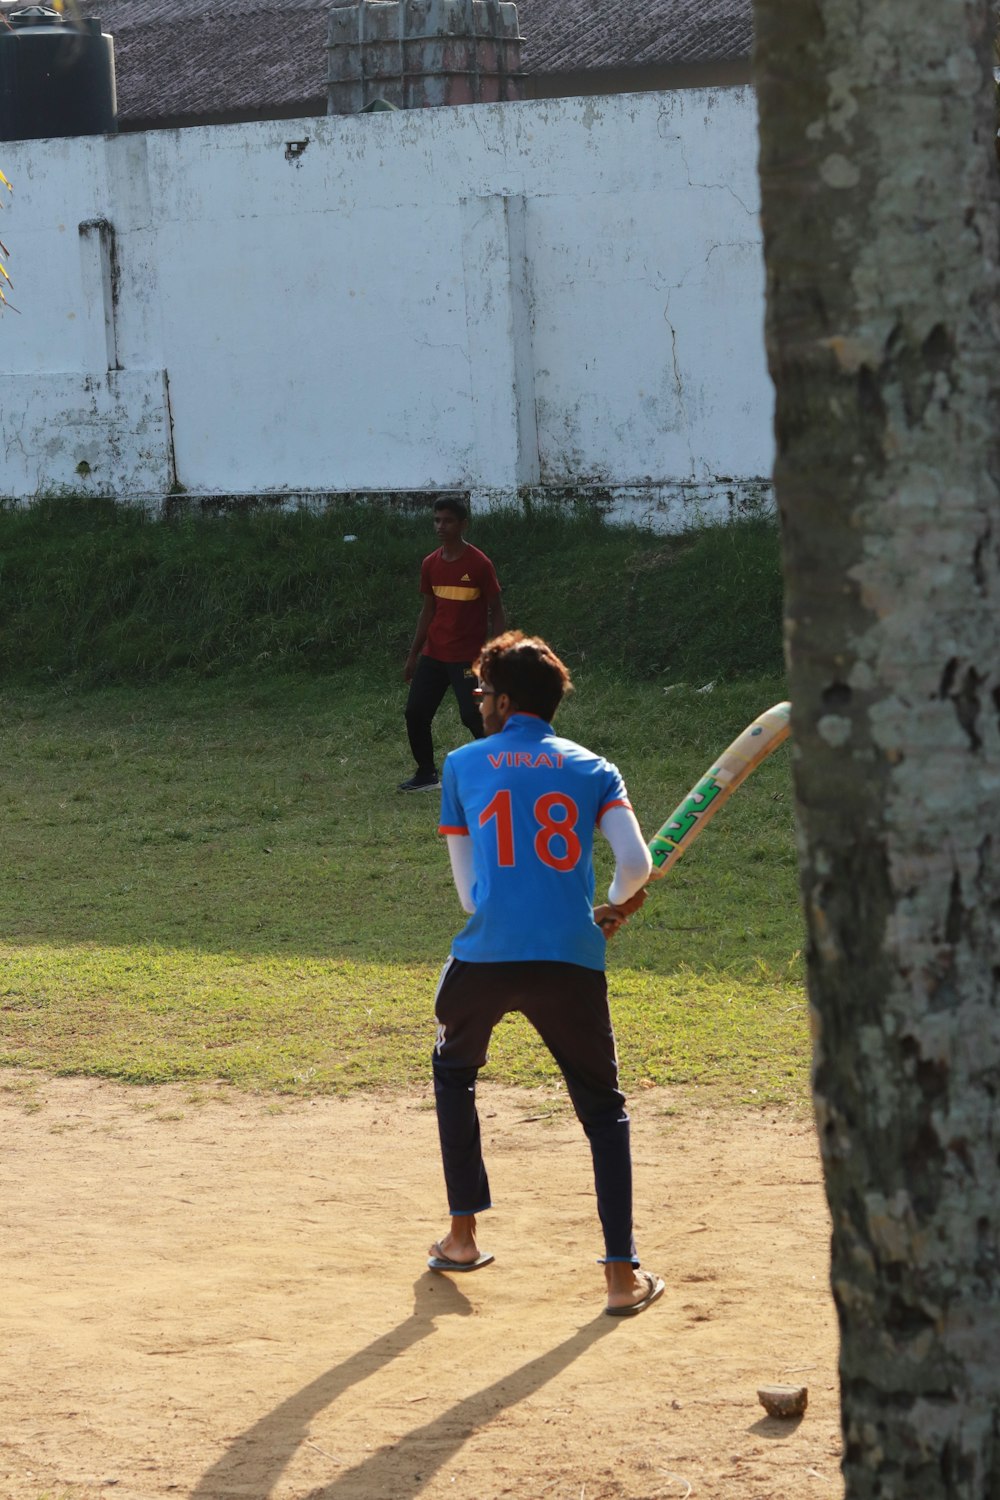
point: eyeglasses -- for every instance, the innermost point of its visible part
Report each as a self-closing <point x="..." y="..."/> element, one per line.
<point x="481" y="692"/>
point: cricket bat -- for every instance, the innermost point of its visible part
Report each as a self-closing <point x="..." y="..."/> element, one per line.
<point x="759" y="740"/>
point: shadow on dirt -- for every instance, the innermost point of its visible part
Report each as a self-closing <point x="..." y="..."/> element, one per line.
<point x="257" y="1457"/>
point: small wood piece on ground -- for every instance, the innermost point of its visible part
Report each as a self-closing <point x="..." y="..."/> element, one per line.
<point x="783" y="1400"/>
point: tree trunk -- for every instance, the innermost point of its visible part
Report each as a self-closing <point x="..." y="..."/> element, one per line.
<point x="880" y="210"/>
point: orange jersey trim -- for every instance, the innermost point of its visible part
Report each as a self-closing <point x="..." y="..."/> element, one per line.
<point x="445" y="828"/>
<point x="618" y="802"/>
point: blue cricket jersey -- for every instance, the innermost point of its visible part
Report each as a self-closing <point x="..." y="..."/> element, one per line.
<point x="530" y="801"/>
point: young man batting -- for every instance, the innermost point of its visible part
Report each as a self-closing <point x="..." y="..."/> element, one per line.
<point x="461" y="607"/>
<point x="519" y="809"/>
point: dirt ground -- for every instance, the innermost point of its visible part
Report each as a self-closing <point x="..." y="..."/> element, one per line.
<point x="212" y="1296"/>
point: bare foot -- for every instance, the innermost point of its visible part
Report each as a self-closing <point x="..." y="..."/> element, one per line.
<point x="630" y="1290"/>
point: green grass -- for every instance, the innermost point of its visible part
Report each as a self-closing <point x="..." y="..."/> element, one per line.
<point x="95" y="593"/>
<point x="216" y="880"/>
<point x="206" y="871"/>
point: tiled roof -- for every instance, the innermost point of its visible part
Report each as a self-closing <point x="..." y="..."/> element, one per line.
<point x="567" y="35"/>
<point x="188" y="58"/>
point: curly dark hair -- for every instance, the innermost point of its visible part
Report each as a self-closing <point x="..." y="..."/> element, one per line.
<point x="527" y="669"/>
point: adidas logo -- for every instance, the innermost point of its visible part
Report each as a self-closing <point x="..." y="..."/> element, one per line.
<point x="466" y="578"/>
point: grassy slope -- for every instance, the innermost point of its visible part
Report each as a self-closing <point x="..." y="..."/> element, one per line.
<point x="96" y="593"/>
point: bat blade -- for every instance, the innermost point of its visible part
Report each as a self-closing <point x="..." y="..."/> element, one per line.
<point x="759" y="740"/>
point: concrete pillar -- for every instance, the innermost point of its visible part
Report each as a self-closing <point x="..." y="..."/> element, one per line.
<point x="501" y="355"/>
<point x="98" y="286"/>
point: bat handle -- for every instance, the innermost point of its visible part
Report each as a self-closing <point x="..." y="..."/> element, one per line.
<point x="610" y="921"/>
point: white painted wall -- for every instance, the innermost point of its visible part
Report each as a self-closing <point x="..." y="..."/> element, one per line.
<point x="554" y="293"/>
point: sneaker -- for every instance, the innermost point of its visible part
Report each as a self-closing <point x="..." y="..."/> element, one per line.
<point x="421" y="783"/>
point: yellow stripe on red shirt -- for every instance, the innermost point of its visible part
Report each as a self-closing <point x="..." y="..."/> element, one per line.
<point x="453" y="591"/>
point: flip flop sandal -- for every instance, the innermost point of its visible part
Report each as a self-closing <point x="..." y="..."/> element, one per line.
<point x="654" y="1289"/>
<point x="441" y="1262"/>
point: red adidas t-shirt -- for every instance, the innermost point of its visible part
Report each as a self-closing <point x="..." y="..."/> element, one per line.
<point x="462" y="591"/>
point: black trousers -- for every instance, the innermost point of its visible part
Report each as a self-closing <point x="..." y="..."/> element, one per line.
<point x="568" y="1007"/>
<point x="430" y="682"/>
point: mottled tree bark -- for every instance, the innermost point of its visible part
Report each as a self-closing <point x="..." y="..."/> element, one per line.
<point x="880" y="211"/>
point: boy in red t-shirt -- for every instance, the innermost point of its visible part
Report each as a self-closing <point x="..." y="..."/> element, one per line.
<point x="462" y="609"/>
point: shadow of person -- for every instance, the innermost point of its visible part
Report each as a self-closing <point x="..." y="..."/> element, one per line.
<point x="402" y="1469"/>
<point x="257" y="1458"/>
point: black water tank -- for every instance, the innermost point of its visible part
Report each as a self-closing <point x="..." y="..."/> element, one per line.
<point x="57" y="76"/>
